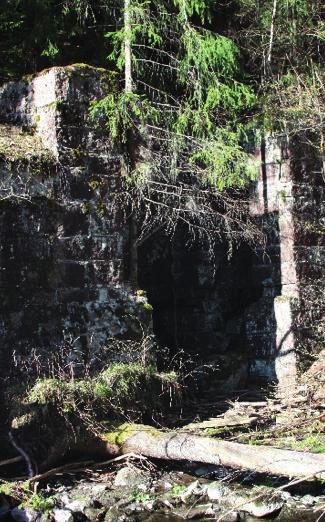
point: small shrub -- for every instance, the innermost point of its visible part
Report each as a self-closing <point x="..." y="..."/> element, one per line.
<point x="177" y="490"/>
<point x="140" y="496"/>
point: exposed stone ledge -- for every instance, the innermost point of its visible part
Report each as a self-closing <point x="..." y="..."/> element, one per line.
<point x="23" y="148"/>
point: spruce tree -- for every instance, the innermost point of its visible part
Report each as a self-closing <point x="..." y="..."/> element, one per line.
<point x="179" y="114"/>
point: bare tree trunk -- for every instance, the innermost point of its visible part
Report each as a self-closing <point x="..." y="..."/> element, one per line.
<point x="127" y="47"/>
<point x="128" y="88"/>
<point x="269" y="55"/>
<point x="146" y="441"/>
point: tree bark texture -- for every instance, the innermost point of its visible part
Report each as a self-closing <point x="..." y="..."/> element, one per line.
<point x="183" y="446"/>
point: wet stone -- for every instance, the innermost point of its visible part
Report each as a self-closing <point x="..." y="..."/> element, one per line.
<point x="262" y="509"/>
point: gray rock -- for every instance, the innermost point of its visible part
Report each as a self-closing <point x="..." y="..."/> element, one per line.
<point x="200" y="511"/>
<point x="192" y="489"/>
<point x="130" y="477"/>
<point x="231" y="517"/>
<point x="263" y="508"/>
<point x="62" y="515"/>
<point x="79" y="505"/>
<point x="216" y="491"/>
<point x="94" y="514"/>
<point x="134" y="507"/>
<point x="308" y="500"/>
<point x="161" y="486"/>
<point x="98" y="489"/>
<point x="115" y="516"/>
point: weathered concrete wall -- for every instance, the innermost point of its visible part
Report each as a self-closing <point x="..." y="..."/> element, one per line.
<point x="64" y="245"/>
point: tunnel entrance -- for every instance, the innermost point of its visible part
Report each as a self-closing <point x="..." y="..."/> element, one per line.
<point x="210" y="309"/>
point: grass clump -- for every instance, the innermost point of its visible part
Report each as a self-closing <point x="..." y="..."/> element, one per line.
<point x="46" y="391"/>
<point x="140" y="496"/>
<point x="38" y="502"/>
<point x="315" y="442"/>
<point x="121" y="389"/>
<point x="121" y="380"/>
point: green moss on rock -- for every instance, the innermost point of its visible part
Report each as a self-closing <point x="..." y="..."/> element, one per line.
<point x="122" y="433"/>
<point x="24" y="150"/>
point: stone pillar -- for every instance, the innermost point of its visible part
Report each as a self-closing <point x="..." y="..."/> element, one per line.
<point x="285" y="361"/>
<point x="64" y="250"/>
<point x="275" y="268"/>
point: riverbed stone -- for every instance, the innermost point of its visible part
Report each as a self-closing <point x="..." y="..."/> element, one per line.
<point x="308" y="500"/>
<point x="216" y="491"/>
<point x="94" y="514"/>
<point x="200" y="511"/>
<point x="130" y="477"/>
<point x="262" y="509"/>
<point x="62" y="515"/>
<point x="116" y="516"/>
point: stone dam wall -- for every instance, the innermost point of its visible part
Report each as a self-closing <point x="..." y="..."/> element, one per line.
<point x="64" y="251"/>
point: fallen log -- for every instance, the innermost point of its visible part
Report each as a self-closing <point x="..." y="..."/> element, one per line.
<point x="149" y="442"/>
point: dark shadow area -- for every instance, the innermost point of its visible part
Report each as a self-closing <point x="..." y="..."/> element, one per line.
<point x="218" y="311"/>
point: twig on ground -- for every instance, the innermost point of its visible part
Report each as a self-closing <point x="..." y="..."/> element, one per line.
<point x="75" y="467"/>
<point x="60" y="469"/>
<point x="10" y="461"/>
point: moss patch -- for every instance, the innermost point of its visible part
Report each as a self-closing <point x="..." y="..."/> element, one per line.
<point x="314" y="442"/>
<point x="120" y="388"/>
<point x="24" y="149"/>
<point x="121" y="434"/>
<point x="108" y="78"/>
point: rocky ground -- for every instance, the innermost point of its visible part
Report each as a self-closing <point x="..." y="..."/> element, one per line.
<point x="137" y="491"/>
